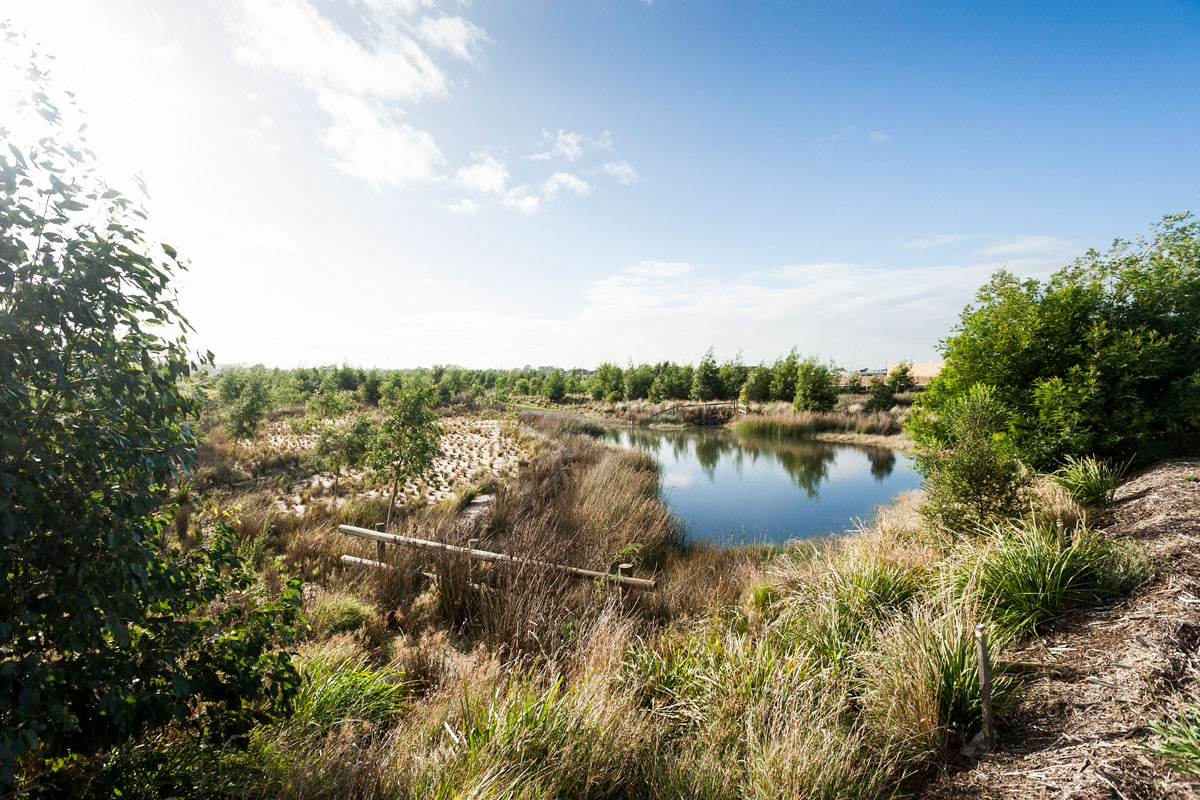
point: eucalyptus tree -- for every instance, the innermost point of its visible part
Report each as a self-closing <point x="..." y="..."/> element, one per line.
<point x="105" y="630"/>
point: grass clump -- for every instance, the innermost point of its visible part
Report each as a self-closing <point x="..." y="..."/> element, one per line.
<point x="332" y="613"/>
<point x="334" y="690"/>
<point x="1180" y="741"/>
<point x="1091" y="481"/>
<point x="1024" y="578"/>
<point x="784" y="425"/>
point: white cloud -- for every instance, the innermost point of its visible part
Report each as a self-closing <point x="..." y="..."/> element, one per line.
<point x="486" y="175"/>
<point x="654" y="270"/>
<point x="878" y="137"/>
<point x="570" y="145"/>
<point x="464" y="206"/>
<point x="930" y="242"/>
<point x="361" y="85"/>
<point x="623" y="171"/>
<point x="455" y="35"/>
<point x="520" y="200"/>
<point x="1031" y="245"/>
<point x="564" y="180"/>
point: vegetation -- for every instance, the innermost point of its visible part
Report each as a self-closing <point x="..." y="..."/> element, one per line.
<point x="1091" y="481"/>
<point x="1102" y="359"/>
<point x="408" y="439"/>
<point x="968" y="462"/>
<point x="107" y="631"/>
<point x="816" y="387"/>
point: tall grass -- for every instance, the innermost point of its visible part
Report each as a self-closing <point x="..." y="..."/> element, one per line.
<point x="1091" y="481"/>
<point x="806" y="423"/>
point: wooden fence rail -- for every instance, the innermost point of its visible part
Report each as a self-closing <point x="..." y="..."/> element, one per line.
<point x="485" y="555"/>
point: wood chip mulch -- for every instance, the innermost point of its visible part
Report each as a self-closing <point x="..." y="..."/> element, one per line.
<point x="1103" y="675"/>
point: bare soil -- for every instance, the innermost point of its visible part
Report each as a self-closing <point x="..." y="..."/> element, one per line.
<point x="1103" y="675"/>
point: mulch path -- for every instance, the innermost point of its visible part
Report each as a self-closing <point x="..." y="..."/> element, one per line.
<point x="1080" y="727"/>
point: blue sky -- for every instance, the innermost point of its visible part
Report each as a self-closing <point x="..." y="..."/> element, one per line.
<point x="403" y="182"/>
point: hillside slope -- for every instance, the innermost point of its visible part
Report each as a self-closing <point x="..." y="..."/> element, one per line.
<point x="1106" y="673"/>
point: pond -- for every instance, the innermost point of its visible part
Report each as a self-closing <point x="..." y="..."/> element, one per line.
<point x="769" y="489"/>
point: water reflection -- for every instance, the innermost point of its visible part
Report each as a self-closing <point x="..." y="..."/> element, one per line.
<point x="719" y="481"/>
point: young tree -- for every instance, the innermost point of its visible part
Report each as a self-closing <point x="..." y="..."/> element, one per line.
<point x="105" y="631"/>
<point x="554" y="388"/>
<point x="968" y="461"/>
<point x="758" y="385"/>
<point x="733" y="376"/>
<point x="343" y="446"/>
<point x="900" y="380"/>
<point x="880" y="396"/>
<point x="327" y="402"/>
<point x="816" y="388"/>
<point x="783" y="377"/>
<point x="248" y="410"/>
<point x="407" y="441"/>
<point x="706" y="382"/>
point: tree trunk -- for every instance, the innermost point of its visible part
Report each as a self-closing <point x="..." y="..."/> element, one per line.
<point x="336" y="476"/>
<point x="391" y="503"/>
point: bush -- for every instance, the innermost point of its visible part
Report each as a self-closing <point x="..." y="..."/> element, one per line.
<point x="1023" y="578"/>
<point x="1090" y="481"/>
<point x="970" y="470"/>
<point x="881" y="396"/>
<point x="331" y="614"/>
<point x="1103" y="358"/>
<point x="105" y="630"/>
<point x="816" y="387"/>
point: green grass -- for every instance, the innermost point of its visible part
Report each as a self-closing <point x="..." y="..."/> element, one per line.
<point x="334" y="691"/>
<point x="806" y="423"/>
<point x="1023" y="578"/>
<point x="1091" y="481"/>
<point x="1180" y="741"/>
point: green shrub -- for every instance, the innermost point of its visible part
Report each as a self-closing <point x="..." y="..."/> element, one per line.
<point x="969" y="465"/>
<point x="881" y="396"/>
<point x="1023" y="578"/>
<point x="1102" y="358"/>
<point x="1091" y="481"/>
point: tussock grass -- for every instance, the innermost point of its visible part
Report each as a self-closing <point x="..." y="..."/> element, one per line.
<point x="1023" y="578"/>
<point x="1090" y="481"/>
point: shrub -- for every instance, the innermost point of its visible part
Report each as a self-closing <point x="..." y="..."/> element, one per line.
<point x="105" y="630"/>
<point x="1023" y="578"/>
<point x="757" y="388"/>
<point x="1103" y="358"/>
<point x="1091" y="481"/>
<point x="971" y="472"/>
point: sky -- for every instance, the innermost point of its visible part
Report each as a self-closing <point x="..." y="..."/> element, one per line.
<point x="394" y="183"/>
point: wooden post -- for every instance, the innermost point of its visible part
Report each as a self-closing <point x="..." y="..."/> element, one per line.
<point x="985" y="688"/>
<point x="379" y="546"/>
<point x="625" y="570"/>
<point x="1062" y="534"/>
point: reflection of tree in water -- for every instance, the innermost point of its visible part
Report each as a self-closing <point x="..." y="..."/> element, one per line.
<point x="645" y="440"/>
<point x="883" y="461"/>
<point x="807" y="461"/>
<point x="709" y="449"/>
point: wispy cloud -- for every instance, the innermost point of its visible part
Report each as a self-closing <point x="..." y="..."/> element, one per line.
<point x="465" y="206"/>
<point x="564" y="180"/>
<point x="570" y="145"/>
<point x="623" y="171"/>
<point x="1031" y="246"/>
<point x="519" y="199"/>
<point x="361" y="84"/>
<point x="930" y="242"/>
<point x="879" y="137"/>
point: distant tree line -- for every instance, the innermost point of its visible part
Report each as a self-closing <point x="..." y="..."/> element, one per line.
<point x="808" y="383"/>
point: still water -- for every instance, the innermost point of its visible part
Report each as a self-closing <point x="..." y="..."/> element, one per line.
<point x="772" y="489"/>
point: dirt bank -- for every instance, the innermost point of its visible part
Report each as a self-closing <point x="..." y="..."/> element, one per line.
<point x="1107" y="673"/>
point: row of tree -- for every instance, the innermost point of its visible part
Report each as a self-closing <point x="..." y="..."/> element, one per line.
<point x="807" y="382"/>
